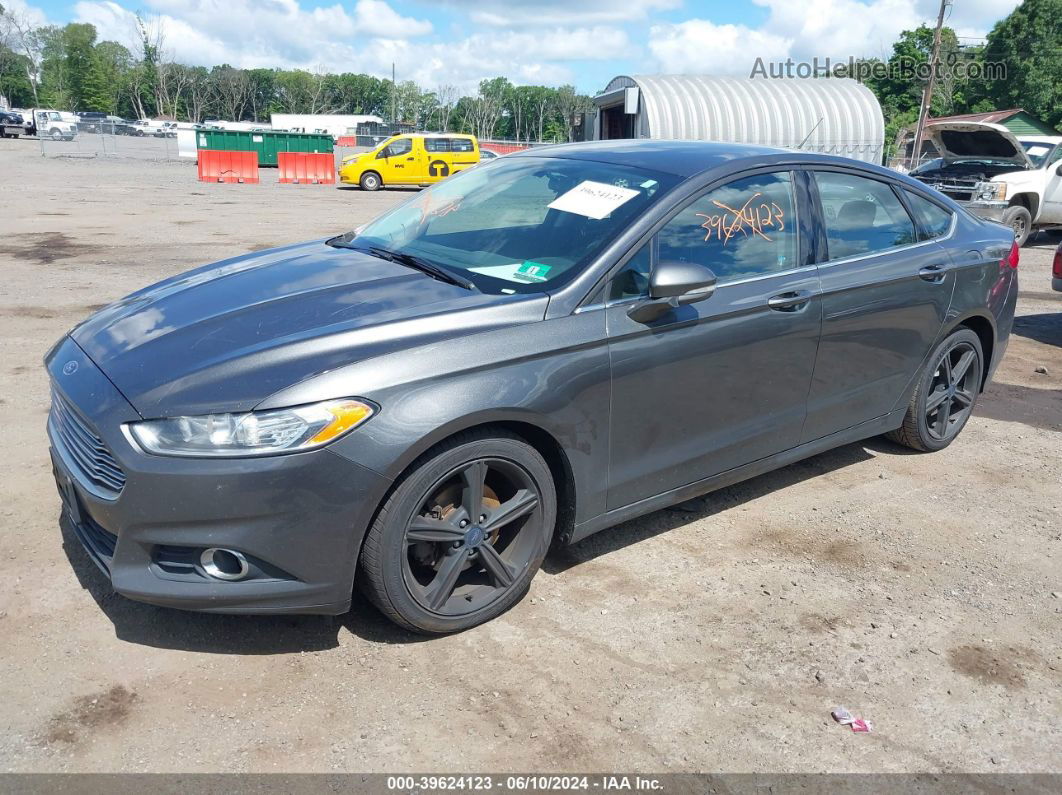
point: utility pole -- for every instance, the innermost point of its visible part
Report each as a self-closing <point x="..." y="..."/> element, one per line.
<point x="927" y="92"/>
<point x="394" y="99"/>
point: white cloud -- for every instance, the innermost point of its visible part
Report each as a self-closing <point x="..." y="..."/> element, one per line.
<point x="698" y="46"/>
<point x="835" y="29"/>
<point x="283" y="33"/>
<point x="521" y="13"/>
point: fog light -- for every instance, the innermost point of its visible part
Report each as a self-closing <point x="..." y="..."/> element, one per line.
<point x="224" y="564"/>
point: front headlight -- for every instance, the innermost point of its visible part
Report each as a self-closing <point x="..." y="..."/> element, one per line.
<point x="992" y="191"/>
<point x="349" y="159"/>
<point x="253" y="432"/>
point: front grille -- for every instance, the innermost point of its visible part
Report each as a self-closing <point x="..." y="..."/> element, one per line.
<point x="94" y="461"/>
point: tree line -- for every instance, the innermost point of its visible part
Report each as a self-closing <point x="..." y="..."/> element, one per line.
<point x="68" y="68"/>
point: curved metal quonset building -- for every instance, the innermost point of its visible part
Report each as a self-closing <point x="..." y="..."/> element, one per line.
<point x="834" y="115"/>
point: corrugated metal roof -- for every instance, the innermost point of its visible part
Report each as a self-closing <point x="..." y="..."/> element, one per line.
<point x="993" y="116"/>
<point x="832" y="115"/>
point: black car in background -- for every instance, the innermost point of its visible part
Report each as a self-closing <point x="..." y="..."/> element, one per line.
<point x="523" y="354"/>
<point x="12" y="125"/>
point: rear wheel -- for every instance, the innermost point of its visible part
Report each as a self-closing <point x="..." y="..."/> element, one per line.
<point x="462" y="535"/>
<point x="370" y="180"/>
<point x="945" y="396"/>
<point x="1019" y="219"/>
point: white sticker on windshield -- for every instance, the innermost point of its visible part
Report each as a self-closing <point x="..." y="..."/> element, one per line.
<point x="593" y="199"/>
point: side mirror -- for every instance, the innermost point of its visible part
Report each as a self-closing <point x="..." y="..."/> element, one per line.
<point x="673" y="284"/>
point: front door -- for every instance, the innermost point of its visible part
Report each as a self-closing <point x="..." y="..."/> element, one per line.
<point x="720" y="383"/>
<point x="1052" y="209"/>
<point x="885" y="294"/>
<point x="397" y="163"/>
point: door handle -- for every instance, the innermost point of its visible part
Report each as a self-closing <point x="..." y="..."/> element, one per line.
<point x="792" y="301"/>
<point x="932" y="273"/>
<point x="409" y="158"/>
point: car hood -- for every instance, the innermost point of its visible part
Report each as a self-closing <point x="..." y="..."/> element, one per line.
<point x="972" y="140"/>
<point x="226" y="336"/>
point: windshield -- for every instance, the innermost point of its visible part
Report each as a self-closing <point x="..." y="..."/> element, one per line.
<point x="518" y="225"/>
<point x="1037" y="152"/>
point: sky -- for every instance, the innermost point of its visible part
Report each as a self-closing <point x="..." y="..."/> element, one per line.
<point x="459" y="42"/>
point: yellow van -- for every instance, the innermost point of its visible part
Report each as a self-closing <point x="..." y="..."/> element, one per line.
<point x="410" y="159"/>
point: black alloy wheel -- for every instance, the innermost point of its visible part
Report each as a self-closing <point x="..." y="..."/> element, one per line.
<point x="466" y="546"/>
<point x="462" y="534"/>
<point x="946" y="394"/>
<point x="952" y="393"/>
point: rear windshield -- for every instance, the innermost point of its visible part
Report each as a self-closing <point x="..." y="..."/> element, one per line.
<point x="522" y="224"/>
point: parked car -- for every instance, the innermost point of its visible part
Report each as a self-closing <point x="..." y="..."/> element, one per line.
<point x="488" y="154"/>
<point x="54" y="124"/>
<point x="12" y="124"/>
<point x="167" y="129"/>
<point x="523" y="354"/>
<point x="997" y="175"/>
<point x="411" y="159"/>
<point x="91" y="121"/>
<point x="1056" y="269"/>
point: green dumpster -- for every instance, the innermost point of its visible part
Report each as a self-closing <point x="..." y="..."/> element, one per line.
<point x="265" y="142"/>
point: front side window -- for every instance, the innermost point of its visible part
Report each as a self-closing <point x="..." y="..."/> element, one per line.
<point x="862" y="215"/>
<point x="526" y="224"/>
<point x="745" y="228"/>
<point x="400" y="147"/>
<point x="934" y="219"/>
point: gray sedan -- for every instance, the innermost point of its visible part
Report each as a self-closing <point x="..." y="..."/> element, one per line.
<point x="522" y="355"/>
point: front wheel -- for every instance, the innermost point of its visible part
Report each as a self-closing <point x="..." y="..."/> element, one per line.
<point x="57" y="135"/>
<point x="462" y="535"/>
<point x="370" y="180"/>
<point x="945" y="396"/>
<point x="1019" y="219"/>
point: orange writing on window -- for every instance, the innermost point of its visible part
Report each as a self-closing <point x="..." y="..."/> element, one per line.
<point x="751" y="219"/>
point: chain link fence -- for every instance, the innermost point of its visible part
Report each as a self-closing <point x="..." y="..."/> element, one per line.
<point x="109" y="144"/>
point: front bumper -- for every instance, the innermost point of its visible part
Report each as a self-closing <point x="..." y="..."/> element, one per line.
<point x="299" y="519"/>
<point x="990" y="210"/>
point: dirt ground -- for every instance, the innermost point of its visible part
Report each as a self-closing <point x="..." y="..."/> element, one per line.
<point x="923" y="592"/>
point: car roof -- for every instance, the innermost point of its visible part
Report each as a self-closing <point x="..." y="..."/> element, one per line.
<point x="688" y="158"/>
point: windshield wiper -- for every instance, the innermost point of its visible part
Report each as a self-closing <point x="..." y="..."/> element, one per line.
<point x="420" y="264"/>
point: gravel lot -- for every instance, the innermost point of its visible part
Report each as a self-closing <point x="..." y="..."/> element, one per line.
<point x="921" y="591"/>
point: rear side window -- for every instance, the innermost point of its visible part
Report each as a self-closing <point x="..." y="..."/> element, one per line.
<point x="862" y="215"/>
<point x="745" y="228"/>
<point x="460" y="145"/>
<point x="934" y="218"/>
<point x="437" y="144"/>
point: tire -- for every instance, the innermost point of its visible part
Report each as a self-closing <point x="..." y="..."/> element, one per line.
<point x="464" y="573"/>
<point x="1019" y="219"/>
<point x="954" y="392"/>
<point x="56" y="135"/>
<point x="370" y="180"/>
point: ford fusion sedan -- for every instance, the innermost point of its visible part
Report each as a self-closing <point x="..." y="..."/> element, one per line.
<point x="520" y="356"/>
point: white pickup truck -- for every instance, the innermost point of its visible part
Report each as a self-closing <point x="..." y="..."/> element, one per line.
<point x="1016" y="180"/>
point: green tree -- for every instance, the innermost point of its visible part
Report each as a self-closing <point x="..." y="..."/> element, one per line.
<point x="1029" y="44"/>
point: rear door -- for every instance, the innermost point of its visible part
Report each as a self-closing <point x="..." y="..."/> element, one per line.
<point x="885" y="292"/>
<point x="720" y="383"/>
<point x="438" y="159"/>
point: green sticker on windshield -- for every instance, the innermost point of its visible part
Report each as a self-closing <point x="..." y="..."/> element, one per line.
<point x="531" y="271"/>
